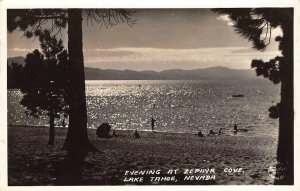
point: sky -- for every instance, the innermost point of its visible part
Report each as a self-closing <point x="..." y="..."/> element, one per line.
<point x="161" y="39"/>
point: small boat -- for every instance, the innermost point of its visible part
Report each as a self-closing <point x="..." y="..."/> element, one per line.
<point x="238" y="95"/>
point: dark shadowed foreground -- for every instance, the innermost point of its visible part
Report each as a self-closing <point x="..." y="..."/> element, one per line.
<point x="32" y="162"/>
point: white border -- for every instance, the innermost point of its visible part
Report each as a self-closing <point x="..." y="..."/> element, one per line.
<point x="5" y="4"/>
<point x="146" y="4"/>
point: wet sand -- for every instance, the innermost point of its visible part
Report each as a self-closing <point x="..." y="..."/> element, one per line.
<point x="32" y="162"/>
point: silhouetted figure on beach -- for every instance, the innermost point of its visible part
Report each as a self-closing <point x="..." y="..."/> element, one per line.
<point x="200" y="134"/>
<point x="114" y="133"/>
<point x="152" y="123"/>
<point x="136" y="135"/>
<point x="235" y="129"/>
<point x="103" y="130"/>
<point x="211" y="132"/>
<point x="220" y="131"/>
<point x="63" y="123"/>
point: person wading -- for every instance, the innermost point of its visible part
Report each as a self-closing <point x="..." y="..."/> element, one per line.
<point x="152" y="123"/>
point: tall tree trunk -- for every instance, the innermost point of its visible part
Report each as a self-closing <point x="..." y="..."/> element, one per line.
<point x="51" y="129"/>
<point x="285" y="150"/>
<point x="77" y="139"/>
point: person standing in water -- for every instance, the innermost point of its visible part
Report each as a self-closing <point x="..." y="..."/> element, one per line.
<point x="235" y="129"/>
<point x="152" y="123"/>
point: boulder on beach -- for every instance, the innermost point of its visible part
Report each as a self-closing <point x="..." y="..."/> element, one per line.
<point x="103" y="130"/>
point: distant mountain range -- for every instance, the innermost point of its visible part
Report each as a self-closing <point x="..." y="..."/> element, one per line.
<point x="212" y="73"/>
<point x="17" y="59"/>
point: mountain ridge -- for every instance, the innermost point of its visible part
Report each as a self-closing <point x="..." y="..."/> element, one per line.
<point x="210" y="73"/>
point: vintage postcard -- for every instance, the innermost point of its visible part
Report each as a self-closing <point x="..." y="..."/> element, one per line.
<point x="110" y="95"/>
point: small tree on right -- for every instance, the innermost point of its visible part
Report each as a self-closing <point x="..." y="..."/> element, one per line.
<point x="256" y="24"/>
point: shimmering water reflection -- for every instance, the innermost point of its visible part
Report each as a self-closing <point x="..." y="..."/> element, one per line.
<point x="178" y="106"/>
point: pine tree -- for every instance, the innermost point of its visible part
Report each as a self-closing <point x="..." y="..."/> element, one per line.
<point x="44" y="81"/>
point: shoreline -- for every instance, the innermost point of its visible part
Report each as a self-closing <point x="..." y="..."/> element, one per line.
<point x="226" y="132"/>
<point x="28" y="150"/>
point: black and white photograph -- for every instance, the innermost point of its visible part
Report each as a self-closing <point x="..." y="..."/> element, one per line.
<point x="149" y="96"/>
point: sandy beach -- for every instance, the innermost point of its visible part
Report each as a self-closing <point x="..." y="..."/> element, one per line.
<point x="32" y="162"/>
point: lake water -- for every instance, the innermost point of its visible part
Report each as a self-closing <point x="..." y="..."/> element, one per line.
<point x="177" y="106"/>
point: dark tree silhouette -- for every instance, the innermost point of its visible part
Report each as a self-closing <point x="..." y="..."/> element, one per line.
<point x="256" y="24"/>
<point x="31" y="22"/>
<point x="14" y="75"/>
<point x="44" y="77"/>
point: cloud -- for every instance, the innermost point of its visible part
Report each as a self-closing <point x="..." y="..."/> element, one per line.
<point x="226" y="18"/>
<point x="107" y="52"/>
<point x="21" y="49"/>
<point x="157" y="58"/>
